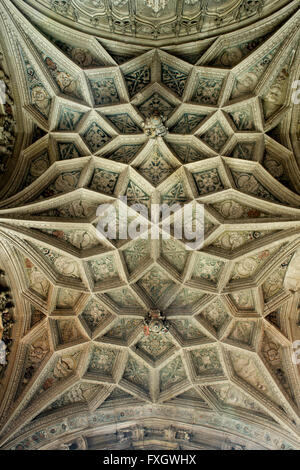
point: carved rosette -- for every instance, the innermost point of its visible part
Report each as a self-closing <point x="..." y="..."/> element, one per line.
<point x="155" y="322"/>
<point x="154" y="126"/>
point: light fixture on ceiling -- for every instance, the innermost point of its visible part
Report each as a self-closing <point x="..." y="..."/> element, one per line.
<point x="155" y="322"/>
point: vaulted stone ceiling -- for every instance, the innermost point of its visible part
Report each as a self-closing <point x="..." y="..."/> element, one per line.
<point x="157" y="22"/>
<point x="81" y="373"/>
